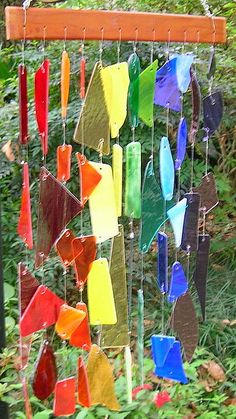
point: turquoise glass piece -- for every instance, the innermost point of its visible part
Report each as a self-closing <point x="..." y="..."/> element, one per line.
<point x="167" y="171"/>
<point x="178" y="282"/>
<point x="182" y="137"/>
<point x="133" y="180"/>
<point x="183" y="64"/>
<point x="162" y="262"/>
<point x="161" y="346"/>
<point x="176" y="216"/>
<point x="133" y="91"/>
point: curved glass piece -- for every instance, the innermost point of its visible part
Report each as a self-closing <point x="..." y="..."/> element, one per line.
<point x="176" y="217"/>
<point x="81" y="335"/>
<point x="196" y="106"/>
<point x="146" y="82"/>
<point x="162" y="262"/>
<point x="64" y="397"/>
<point x="183" y="64"/>
<point x="189" y="241"/>
<point x="65" y="83"/>
<point x="181" y="143"/>
<point x="117" y="171"/>
<point x="133" y="180"/>
<point x="24" y="228"/>
<point x="208" y="193"/>
<point x="166" y="88"/>
<point x="45" y="372"/>
<point x="178" y="282"/>
<point x="212" y="113"/>
<point x="201" y="270"/>
<point x="84" y="398"/>
<point x="133" y="91"/>
<point x="23" y="105"/>
<point x="83" y="262"/>
<point x="167" y="171"/>
<point x="69" y="319"/>
<point x="161" y="346"/>
<point x="27" y="286"/>
<point x="41" y="93"/>
<point x="82" y="77"/>
<point x="63" y="162"/>
<point x="89" y="177"/>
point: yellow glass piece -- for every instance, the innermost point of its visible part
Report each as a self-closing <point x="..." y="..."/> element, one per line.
<point x="68" y="320"/>
<point x="102" y="205"/>
<point x="100" y="294"/>
<point x="101" y="380"/>
<point x="117" y="170"/>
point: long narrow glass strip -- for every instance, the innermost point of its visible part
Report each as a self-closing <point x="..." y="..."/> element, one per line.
<point x="41" y="103"/>
<point x="189" y="240"/>
<point x="167" y="171"/>
<point x="133" y="180"/>
<point x="162" y="262"/>
<point x="24" y="228"/>
<point x="141" y="335"/>
<point x="65" y="83"/>
<point x="201" y="270"/>
<point x="23" y="105"/>
<point x="117" y="171"/>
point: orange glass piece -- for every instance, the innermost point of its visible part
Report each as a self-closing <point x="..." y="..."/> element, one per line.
<point x="81" y="336"/>
<point x="89" y="177"/>
<point x="24" y="228"/>
<point x="83" y="386"/>
<point x="68" y="320"/>
<point x="63" y="162"/>
<point x="64" y="247"/>
<point x="84" y="261"/>
<point x="82" y="77"/>
<point x="64" y="399"/>
<point x="65" y="83"/>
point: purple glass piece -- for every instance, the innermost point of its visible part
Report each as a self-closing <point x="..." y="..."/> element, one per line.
<point x="178" y="283"/>
<point x="166" y="88"/>
<point x="213" y="112"/>
<point x="182" y="137"/>
<point x="162" y="262"/>
<point x="189" y="241"/>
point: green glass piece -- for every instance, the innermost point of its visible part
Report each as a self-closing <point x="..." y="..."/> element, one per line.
<point x="134" y="66"/>
<point x="140" y="334"/>
<point x="147" y="81"/>
<point x="133" y="91"/>
<point x="133" y="180"/>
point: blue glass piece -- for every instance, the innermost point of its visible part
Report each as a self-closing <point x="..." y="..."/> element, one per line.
<point x="166" y="88"/>
<point x="176" y="217"/>
<point x="161" y="346"/>
<point x="178" y="283"/>
<point x="183" y="65"/>
<point x="162" y="262"/>
<point x="182" y="137"/>
<point x="167" y="171"/>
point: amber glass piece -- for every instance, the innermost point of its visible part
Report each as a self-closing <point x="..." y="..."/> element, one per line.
<point x="41" y="312"/>
<point x="64" y="247"/>
<point x="81" y="335"/>
<point x="100" y="378"/>
<point x="82" y="77"/>
<point x="133" y="180"/>
<point x="89" y="177"/>
<point x="63" y="162"/>
<point x="84" y="261"/>
<point x="117" y="170"/>
<point x="23" y="105"/>
<point x="196" y="106"/>
<point x="84" y="398"/>
<point x="65" y="83"/>
<point x="201" y="270"/>
<point x="68" y="320"/>
<point x="41" y="92"/>
<point x="27" y="286"/>
<point x="208" y="193"/>
<point x="24" y="228"/>
<point x="57" y="207"/>
<point x="64" y="398"/>
<point x="45" y="372"/>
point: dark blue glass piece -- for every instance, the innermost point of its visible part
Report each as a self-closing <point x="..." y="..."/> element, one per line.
<point x="162" y="262"/>
<point x="161" y="346"/>
<point x="182" y="137"/>
<point x="183" y="64"/>
<point x="166" y="88"/>
<point x="178" y="283"/>
<point x="212" y="113"/>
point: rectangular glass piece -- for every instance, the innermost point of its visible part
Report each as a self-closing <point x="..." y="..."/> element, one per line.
<point x="189" y="240"/>
<point x="63" y="162"/>
<point x="64" y="399"/>
<point x="196" y="106"/>
<point x="23" y="105"/>
<point x="147" y="81"/>
<point x="201" y="270"/>
<point x="208" y="193"/>
<point x="133" y="180"/>
<point x="41" y="93"/>
<point x="162" y="262"/>
<point x="24" y="228"/>
<point x="82" y="77"/>
<point x="117" y="170"/>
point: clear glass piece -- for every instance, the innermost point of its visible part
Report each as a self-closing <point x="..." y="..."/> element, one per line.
<point x="162" y="262"/>
<point x="196" y="106"/>
<point x="65" y="83"/>
<point x="64" y="397"/>
<point x="63" y="162"/>
<point x="81" y="336"/>
<point x="208" y="193"/>
<point x="89" y="177"/>
<point x="183" y="64"/>
<point x="181" y="143"/>
<point x="41" y="93"/>
<point x="178" y="282"/>
<point x="23" y="105"/>
<point x="211" y="64"/>
<point x="133" y="180"/>
<point x="84" y="398"/>
<point x="212" y="113"/>
<point x="146" y="82"/>
<point x="117" y="171"/>
<point x="45" y="372"/>
<point x="201" y="270"/>
<point x="176" y="217"/>
<point x="83" y="262"/>
<point x="68" y="320"/>
<point x="24" y="228"/>
<point x="166" y="88"/>
<point x="167" y="171"/>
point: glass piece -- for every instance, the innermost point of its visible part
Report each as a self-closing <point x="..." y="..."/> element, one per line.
<point x="64" y="398"/>
<point x="68" y="320"/>
<point x="82" y="77"/>
<point x="152" y="209"/>
<point x="117" y="335"/>
<point x="133" y="91"/>
<point x="201" y="270"/>
<point x="57" y="207"/>
<point x="117" y="171"/>
<point x="28" y="410"/>
<point x="94" y="119"/>
<point x="23" y="105"/>
<point x="24" y="350"/>
<point x="101" y="381"/>
<point x="140" y="331"/>
<point x="176" y="217"/>
<point x="167" y="171"/>
<point x="189" y="240"/>
<point x="161" y="346"/>
<point x="183" y="65"/>
<point x="64" y="247"/>
<point x="133" y="180"/>
<point x="208" y="193"/>
<point x="133" y="66"/>
<point x="102" y="205"/>
<point x="128" y="373"/>
<point x="212" y="113"/>
<point x="81" y="336"/>
<point x="65" y="83"/>
<point x="84" y="398"/>
<point x="63" y="162"/>
<point x="27" y="286"/>
<point x="45" y="372"/>
<point x="166" y="88"/>
<point x="178" y="282"/>
<point x="212" y="64"/>
<point x="196" y="106"/>
<point x="41" y="92"/>
<point x="101" y="304"/>
<point x="41" y="312"/>
<point x="89" y="177"/>
<point x="83" y="262"/>
<point x="24" y="228"/>
<point x="162" y="262"/>
<point x="146" y="82"/>
<point x="181" y="143"/>
<point x="184" y="323"/>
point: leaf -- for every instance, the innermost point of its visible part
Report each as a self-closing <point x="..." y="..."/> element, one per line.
<point x="43" y="415"/>
<point x="9" y="291"/>
<point x="215" y="371"/>
<point x="10" y="323"/>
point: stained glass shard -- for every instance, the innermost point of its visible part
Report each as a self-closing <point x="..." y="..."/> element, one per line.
<point x="64" y="247"/>
<point x="196" y="106"/>
<point x="23" y="105"/>
<point x="24" y="228"/>
<point x="41" y="92"/>
<point x="128" y="373"/>
<point x="27" y="286"/>
<point x="133" y="91"/>
<point x="64" y="398"/>
<point x="178" y="282"/>
<point x="162" y="262"/>
<point x="208" y="193"/>
<point x="83" y="262"/>
<point x="24" y="350"/>
<point x="69" y="319"/>
<point x="63" y="162"/>
<point x="82" y="77"/>
<point x="140" y="330"/>
<point x="212" y="113"/>
<point x="84" y="398"/>
<point x="117" y="171"/>
<point x="189" y="240"/>
<point x="65" y="83"/>
<point x="200" y="273"/>
<point x="176" y="216"/>
<point x="133" y="180"/>
<point x="181" y="143"/>
<point x="57" y="207"/>
<point x="146" y="82"/>
<point x="89" y="177"/>
<point x="211" y="64"/>
<point x="161" y="346"/>
<point x="183" y="65"/>
<point x="167" y="171"/>
<point x="166" y="88"/>
<point x="81" y="335"/>
<point x="45" y="372"/>
<point x="28" y="410"/>
<point x="101" y="381"/>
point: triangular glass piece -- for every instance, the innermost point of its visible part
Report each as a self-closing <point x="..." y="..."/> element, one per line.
<point x="178" y="282"/>
<point x="162" y="262"/>
<point x="57" y="207"/>
<point x="101" y="381"/>
<point x="63" y="162"/>
<point x="69" y="319"/>
<point x="211" y="64"/>
<point x="201" y="270"/>
<point x="45" y="372"/>
<point x="84" y="398"/>
<point x="95" y="124"/>
<point x="161" y="346"/>
<point x="208" y="193"/>
<point x="183" y="64"/>
<point x="23" y="105"/>
<point x="41" y="312"/>
<point x="28" y="285"/>
<point x="133" y="91"/>
<point x="176" y="217"/>
<point x="212" y="113"/>
<point x="89" y="177"/>
<point x="41" y="92"/>
<point x="181" y="143"/>
<point x="146" y="82"/>
<point x="166" y="88"/>
<point x="117" y="170"/>
<point x="184" y="323"/>
<point x="64" y="397"/>
<point x="65" y="249"/>
<point x="167" y="171"/>
<point x="81" y="335"/>
<point x="24" y="228"/>
<point x="65" y="83"/>
<point x="196" y="106"/>
<point x="189" y="240"/>
<point x="133" y="180"/>
<point x="83" y="262"/>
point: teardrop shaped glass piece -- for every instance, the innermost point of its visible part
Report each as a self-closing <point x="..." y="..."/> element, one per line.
<point x="212" y="64"/>
<point x="63" y="162"/>
<point x="212" y="113"/>
<point x="167" y="171"/>
<point x="83" y="262"/>
<point x="64" y="397"/>
<point x="196" y="106"/>
<point x="68" y="320"/>
<point x="23" y="105"/>
<point x="162" y="262"/>
<point x="89" y="177"/>
<point x="183" y="64"/>
<point x="84" y="398"/>
<point x="81" y="335"/>
<point x="166" y="88"/>
<point x="133" y="91"/>
<point x="133" y="180"/>
<point x="24" y="228"/>
<point x="45" y="372"/>
<point x="176" y="217"/>
<point x="146" y="93"/>
<point x="41" y="94"/>
<point x="133" y="66"/>
<point x="117" y="171"/>
<point x="65" y="83"/>
<point x="178" y="282"/>
<point x="182" y="137"/>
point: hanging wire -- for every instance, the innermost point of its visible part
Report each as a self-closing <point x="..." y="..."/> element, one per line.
<point x="101" y="46"/>
<point x="130" y="281"/>
<point x="82" y="142"/>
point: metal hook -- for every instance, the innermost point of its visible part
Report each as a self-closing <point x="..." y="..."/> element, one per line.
<point x="136" y="40"/>
<point x="168" y="46"/>
<point x="118" y="46"/>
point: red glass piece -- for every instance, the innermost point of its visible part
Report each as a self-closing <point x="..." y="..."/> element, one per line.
<point x="64" y="400"/>
<point x="41" y="85"/>
<point x="28" y="284"/>
<point x="57" y="207"/>
<point x="81" y="336"/>
<point x="23" y="105"/>
<point x="63" y="162"/>
<point x="45" y="372"/>
<point x="83" y="262"/>
<point x="82" y="77"/>
<point x="41" y="312"/>
<point x="24" y="228"/>
<point x="83" y="386"/>
<point x="28" y="410"/>
<point x="64" y="247"/>
<point x="89" y="177"/>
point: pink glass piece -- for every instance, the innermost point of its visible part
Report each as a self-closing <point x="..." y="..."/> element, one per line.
<point x="82" y="77"/>
<point x="64" y="247"/>
<point x="41" y="312"/>
<point x="27" y="286"/>
<point x="45" y="372"/>
<point x="83" y="386"/>
<point x="41" y="85"/>
<point x="63" y="162"/>
<point x="64" y="400"/>
<point x="89" y="177"/>
<point x="81" y="336"/>
<point x="84" y="261"/>
<point x="24" y="228"/>
<point x="57" y="207"/>
<point x="23" y="105"/>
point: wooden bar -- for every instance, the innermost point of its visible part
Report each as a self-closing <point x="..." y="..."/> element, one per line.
<point x="112" y="25"/>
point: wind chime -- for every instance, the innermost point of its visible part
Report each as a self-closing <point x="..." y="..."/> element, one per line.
<point x="153" y="201"/>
